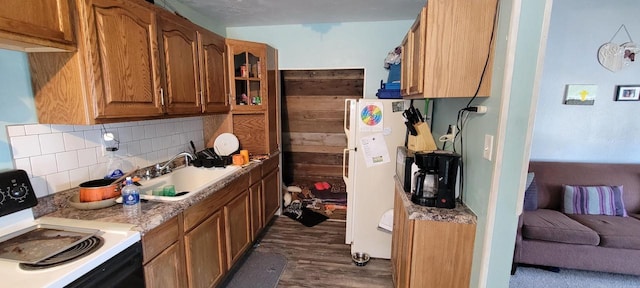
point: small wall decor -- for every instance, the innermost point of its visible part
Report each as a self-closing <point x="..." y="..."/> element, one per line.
<point x="617" y="56"/>
<point x="628" y="93"/>
<point x="579" y="94"/>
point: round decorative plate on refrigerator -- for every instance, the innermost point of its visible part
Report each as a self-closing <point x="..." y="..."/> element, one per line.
<point x="225" y="144"/>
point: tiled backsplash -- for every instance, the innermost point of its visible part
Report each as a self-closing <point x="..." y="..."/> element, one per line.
<point x="59" y="157"/>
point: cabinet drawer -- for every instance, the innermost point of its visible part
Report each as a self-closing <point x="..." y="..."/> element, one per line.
<point x="255" y="175"/>
<point x="158" y="239"/>
<point x="270" y="164"/>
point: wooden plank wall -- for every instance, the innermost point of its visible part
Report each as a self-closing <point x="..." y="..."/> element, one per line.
<point x="312" y="123"/>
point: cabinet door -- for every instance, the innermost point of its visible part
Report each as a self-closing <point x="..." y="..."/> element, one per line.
<point x="236" y="216"/>
<point x="123" y="52"/>
<point x="166" y="269"/>
<point x="35" y="25"/>
<point x="178" y="41"/>
<point x="271" y="195"/>
<point x="405" y="74"/>
<point x="402" y="243"/>
<point x="416" y="40"/>
<point x="255" y="197"/>
<point x="205" y="252"/>
<point x="247" y="68"/>
<point x="213" y="72"/>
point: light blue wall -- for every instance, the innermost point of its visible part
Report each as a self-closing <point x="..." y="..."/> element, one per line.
<point x="496" y="227"/>
<point x="334" y="45"/>
<point x="608" y="131"/>
<point x="16" y="97"/>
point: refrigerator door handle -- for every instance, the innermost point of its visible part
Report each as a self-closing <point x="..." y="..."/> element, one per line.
<point x="346" y="117"/>
<point x="345" y="177"/>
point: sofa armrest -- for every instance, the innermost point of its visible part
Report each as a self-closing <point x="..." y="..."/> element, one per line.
<point x="517" y="248"/>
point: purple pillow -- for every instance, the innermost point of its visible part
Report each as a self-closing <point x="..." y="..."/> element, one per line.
<point x="531" y="193"/>
<point x="594" y="200"/>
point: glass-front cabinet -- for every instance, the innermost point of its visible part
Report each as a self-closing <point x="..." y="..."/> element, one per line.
<point x="248" y="66"/>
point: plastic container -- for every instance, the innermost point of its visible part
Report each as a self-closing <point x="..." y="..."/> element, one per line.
<point x="131" y="199"/>
<point x="389" y="94"/>
<point x="394" y="73"/>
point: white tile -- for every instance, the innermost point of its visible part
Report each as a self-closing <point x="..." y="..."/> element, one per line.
<point x="83" y="127"/>
<point x="51" y="143"/>
<point x="23" y="164"/>
<point x="77" y="176"/>
<point x="125" y="134"/>
<point x="142" y="162"/>
<point x="39" y="185"/>
<point x="97" y="171"/>
<point x="157" y="144"/>
<point x="43" y="165"/>
<point x="133" y="148"/>
<point x="137" y="132"/>
<point x="146" y="145"/>
<point x="15" y="130"/>
<point x="73" y="140"/>
<point x="58" y="182"/>
<point x="67" y="160"/>
<point x="149" y="131"/>
<point x="25" y="146"/>
<point x="62" y="128"/>
<point x="87" y="157"/>
<point x="92" y="138"/>
<point x="33" y="129"/>
<point x="102" y="156"/>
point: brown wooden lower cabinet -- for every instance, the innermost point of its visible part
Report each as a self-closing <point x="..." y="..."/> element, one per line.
<point x="270" y="195"/>
<point x="205" y="250"/>
<point x="163" y="255"/>
<point x="199" y="246"/>
<point x="430" y="253"/>
<point x="237" y="226"/>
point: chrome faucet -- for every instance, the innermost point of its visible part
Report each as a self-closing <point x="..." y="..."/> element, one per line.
<point x="166" y="167"/>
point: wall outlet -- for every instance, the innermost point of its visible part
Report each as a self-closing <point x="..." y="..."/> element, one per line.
<point x="487" y="152"/>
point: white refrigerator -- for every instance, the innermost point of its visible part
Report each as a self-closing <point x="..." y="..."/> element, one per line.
<point x="374" y="129"/>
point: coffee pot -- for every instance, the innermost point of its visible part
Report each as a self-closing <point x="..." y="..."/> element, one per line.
<point x="435" y="181"/>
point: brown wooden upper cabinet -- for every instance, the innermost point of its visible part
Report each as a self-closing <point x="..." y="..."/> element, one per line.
<point x="448" y="52"/>
<point x="254" y="87"/>
<point x="36" y="25"/>
<point x="193" y="67"/>
<point x="134" y="61"/>
<point x="247" y="67"/>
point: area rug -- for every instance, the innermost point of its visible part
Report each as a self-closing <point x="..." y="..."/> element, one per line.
<point x="529" y="277"/>
<point x="259" y="270"/>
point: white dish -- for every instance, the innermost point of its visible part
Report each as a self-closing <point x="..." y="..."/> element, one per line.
<point x="225" y="144"/>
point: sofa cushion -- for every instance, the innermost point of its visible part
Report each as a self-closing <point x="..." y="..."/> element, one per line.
<point x="614" y="232"/>
<point x="593" y="200"/>
<point x="551" y="225"/>
<point x="531" y="193"/>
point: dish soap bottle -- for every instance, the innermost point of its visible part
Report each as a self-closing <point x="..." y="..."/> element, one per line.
<point x="131" y="199"/>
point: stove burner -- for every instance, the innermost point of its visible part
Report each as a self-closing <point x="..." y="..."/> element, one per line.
<point x="76" y="252"/>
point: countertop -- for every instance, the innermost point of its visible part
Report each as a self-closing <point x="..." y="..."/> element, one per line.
<point x="461" y="214"/>
<point x="154" y="213"/>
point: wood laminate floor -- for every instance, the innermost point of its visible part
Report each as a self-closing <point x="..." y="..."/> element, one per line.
<point x="317" y="256"/>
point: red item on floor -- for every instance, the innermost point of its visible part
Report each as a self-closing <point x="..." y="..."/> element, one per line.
<point x="319" y="186"/>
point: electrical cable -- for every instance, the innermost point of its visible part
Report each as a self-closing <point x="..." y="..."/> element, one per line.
<point x="462" y="116"/>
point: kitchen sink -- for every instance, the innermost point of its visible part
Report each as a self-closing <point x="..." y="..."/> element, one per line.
<point x="188" y="179"/>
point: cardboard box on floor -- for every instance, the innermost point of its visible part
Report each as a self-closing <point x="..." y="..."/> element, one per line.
<point x="423" y="141"/>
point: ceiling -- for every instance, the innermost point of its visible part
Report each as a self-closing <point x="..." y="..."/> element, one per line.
<point x="238" y="13"/>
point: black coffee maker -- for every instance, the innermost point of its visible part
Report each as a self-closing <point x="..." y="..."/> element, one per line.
<point x="435" y="182"/>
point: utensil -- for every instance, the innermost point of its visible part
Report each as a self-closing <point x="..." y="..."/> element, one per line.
<point x="193" y="146"/>
<point x="119" y="180"/>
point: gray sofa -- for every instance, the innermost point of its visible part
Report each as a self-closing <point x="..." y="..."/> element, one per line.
<point x="548" y="237"/>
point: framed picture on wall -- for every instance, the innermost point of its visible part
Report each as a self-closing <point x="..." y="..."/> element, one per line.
<point x="628" y="93"/>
